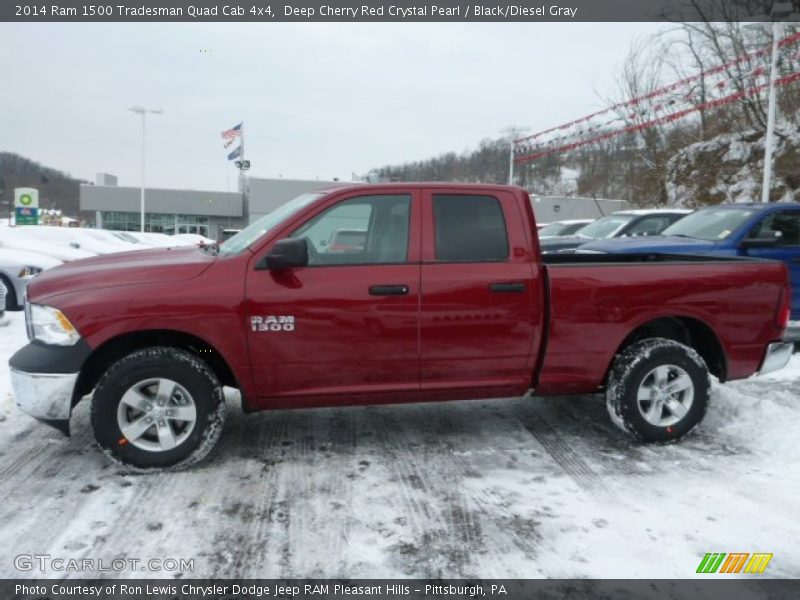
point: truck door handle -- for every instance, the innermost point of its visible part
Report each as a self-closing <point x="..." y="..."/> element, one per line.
<point x="507" y="288"/>
<point x="388" y="290"/>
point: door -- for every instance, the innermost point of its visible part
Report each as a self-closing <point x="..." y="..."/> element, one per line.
<point x="348" y="323"/>
<point x="784" y="228"/>
<point x="651" y="225"/>
<point x="481" y="296"/>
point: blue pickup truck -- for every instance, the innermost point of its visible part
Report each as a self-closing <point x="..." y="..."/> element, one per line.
<point x="756" y="230"/>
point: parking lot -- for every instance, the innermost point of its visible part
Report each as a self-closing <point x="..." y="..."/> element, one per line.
<point x="506" y="488"/>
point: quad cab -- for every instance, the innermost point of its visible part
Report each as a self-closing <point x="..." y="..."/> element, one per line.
<point x="446" y="297"/>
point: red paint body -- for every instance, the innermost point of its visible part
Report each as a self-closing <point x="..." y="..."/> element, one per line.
<point x="448" y="338"/>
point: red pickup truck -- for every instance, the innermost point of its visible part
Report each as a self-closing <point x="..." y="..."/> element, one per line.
<point x="447" y="298"/>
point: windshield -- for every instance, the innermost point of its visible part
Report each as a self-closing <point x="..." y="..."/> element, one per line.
<point x="605" y="227"/>
<point x="253" y="232"/>
<point x="553" y="229"/>
<point x="711" y="224"/>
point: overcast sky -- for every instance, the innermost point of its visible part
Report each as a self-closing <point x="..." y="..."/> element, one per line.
<point x="317" y="100"/>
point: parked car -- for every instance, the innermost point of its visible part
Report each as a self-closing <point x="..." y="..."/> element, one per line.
<point x="623" y="223"/>
<point x="17" y="268"/>
<point x="226" y="234"/>
<point x="125" y="236"/>
<point x="152" y="239"/>
<point x="191" y="239"/>
<point x="25" y="239"/>
<point x="347" y="240"/>
<point x="563" y="228"/>
<point x="449" y="299"/>
<point x="756" y="230"/>
<point x="92" y="241"/>
<point x="102" y="241"/>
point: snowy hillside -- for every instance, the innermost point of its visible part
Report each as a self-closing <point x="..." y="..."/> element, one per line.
<point x="729" y="168"/>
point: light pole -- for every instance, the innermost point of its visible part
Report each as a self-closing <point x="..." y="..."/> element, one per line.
<point x="143" y="111"/>
<point x="513" y="133"/>
<point x="780" y="10"/>
<point x="511" y="162"/>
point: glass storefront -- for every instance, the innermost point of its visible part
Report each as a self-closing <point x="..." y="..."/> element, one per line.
<point x="156" y="222"/>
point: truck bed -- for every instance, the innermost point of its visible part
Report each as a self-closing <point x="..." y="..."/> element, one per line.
<point x="597" y="300"/>
<point x="573" y="259"/>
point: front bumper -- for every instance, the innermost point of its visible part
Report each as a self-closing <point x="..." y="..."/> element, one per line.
<point x="45" y="396"/>
<point x="44" y="379"/>
<point x="777" y="356"/>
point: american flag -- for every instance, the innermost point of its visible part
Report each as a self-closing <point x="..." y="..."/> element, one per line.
<point x="229" y="135"/>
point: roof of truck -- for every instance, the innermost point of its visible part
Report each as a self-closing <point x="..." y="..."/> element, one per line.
<point x="419" y="184"/>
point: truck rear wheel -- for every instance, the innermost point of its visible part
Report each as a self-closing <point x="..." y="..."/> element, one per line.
<point x="158" y="407"/>
<point x="658" y="390"/>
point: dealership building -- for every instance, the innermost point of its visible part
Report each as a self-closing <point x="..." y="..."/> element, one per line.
<point x="203" y="212"/>
<point x="210" y="213"/>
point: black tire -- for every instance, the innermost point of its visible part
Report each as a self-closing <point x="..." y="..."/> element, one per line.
<point x="11" y="295"/>
<point x="176" y="365"/>
<point x="632" y="373"/>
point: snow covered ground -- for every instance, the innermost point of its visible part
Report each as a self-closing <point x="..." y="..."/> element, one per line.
<point x="503" y="488"/>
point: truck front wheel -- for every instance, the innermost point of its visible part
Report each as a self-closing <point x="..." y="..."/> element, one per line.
<point x="658" y="390"/>
<point x="158" y="407"/>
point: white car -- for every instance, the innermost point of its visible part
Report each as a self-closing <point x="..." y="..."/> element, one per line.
<point x="102" y="241"/>
<point x="191" y="239"/>
<point x="95" y="241"/>
<point x="17" y="268"/>
<point x="154" y="240"/>
<point x="18" y="238"/>
<point x="563" y="228"/>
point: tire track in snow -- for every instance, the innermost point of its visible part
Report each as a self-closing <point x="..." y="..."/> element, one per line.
<point x="562" y="452"/>
<point x="487" y="512"/>
<point x="13" y="468"/>
<point x="454" y="522"/>
<point x="297" y="462"/>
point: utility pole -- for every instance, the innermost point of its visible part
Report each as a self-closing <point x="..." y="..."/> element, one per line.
<point x="511" y="162"/>
<point x="766" y="184"/>
<point x="780" y="11"/>
<point x="140" y="110"/>
<point x="513" y="132"/>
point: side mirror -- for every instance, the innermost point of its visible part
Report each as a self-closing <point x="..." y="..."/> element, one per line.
<point x="760" y="242"/>
<point x="288" y="254"/>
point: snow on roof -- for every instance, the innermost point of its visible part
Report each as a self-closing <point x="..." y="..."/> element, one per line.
<point x="655" y="211"/>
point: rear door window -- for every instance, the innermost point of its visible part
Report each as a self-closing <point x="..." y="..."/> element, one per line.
<point x="469" y="228"/>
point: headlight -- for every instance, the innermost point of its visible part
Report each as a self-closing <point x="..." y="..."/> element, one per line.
<point x="48" y="325"/>
<point x="579" y="251"/>
<point x="28" y="272"/>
